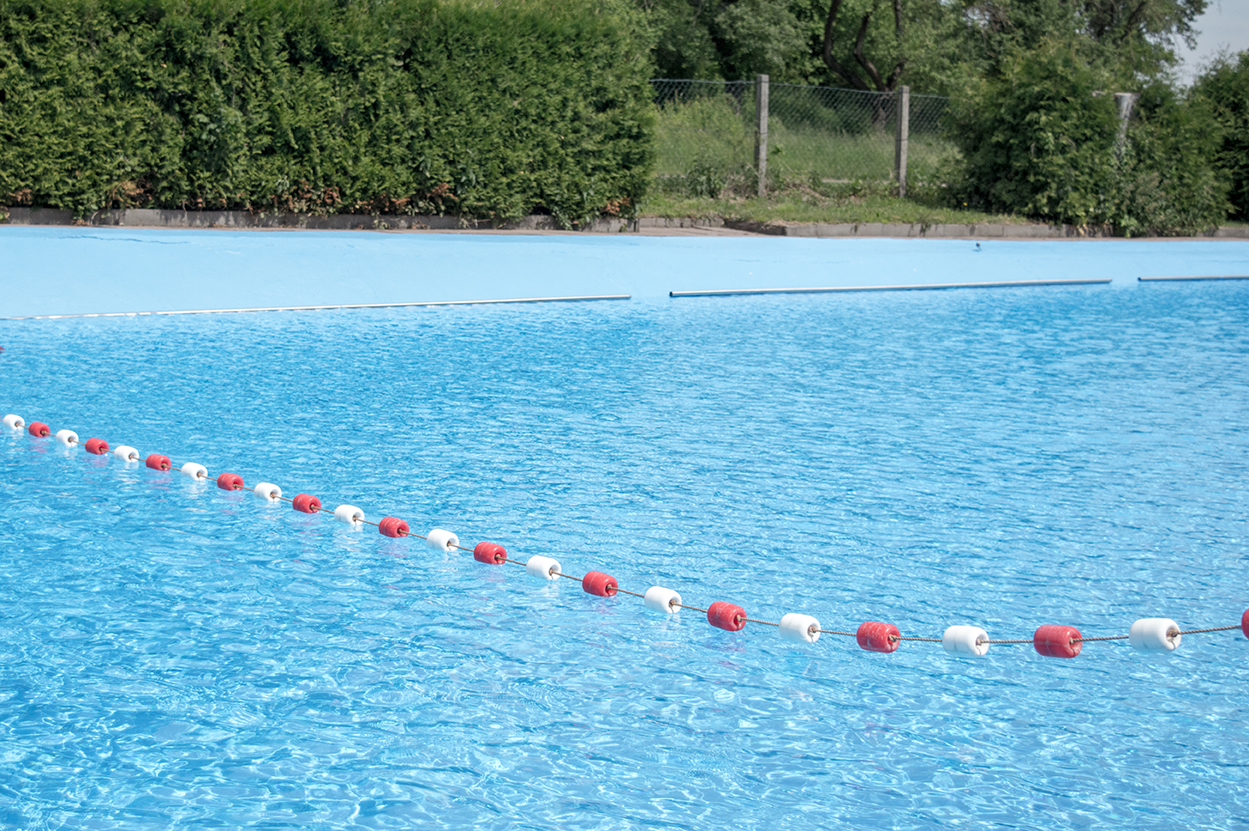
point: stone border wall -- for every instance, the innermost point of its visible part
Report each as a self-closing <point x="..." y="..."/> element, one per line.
<point x="150" y="218"/>
<point x="147" y="218"/>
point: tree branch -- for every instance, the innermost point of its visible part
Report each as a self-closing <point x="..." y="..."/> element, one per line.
<point x="832" y="63"/>
<point x="898" y="23"/>
<point x="1133" y="19"/>
<point x="867" y="65"/>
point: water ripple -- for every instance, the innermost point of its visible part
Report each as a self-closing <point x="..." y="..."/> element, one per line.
<point x="171" y="655"/>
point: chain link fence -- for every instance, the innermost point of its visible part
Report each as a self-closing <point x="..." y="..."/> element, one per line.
<point x="706" y="135"/>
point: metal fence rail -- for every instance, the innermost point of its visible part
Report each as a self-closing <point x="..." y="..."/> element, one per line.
<point x="710" y="132"/>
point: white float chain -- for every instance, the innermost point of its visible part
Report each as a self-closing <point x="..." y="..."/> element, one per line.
<point x="126" y="453"/>
<point x="802" y="628"/>
<point x="14" y="421"/>
<point x="267" y="490"/>
<point x="659" y="599"/>
<point x="1154" y="634"/>
<point x="349" y="514"/>
<point x="67" y="437"/>
<point x="544" y="568"/>
<point x="440" y="540"/>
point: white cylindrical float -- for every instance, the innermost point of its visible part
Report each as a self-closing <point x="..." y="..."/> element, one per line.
<point x="965" y="640"/>
<point x="441" y="540"/>
<point x="543" y="567"/>
<point x="349" y="514"/>
<point x="267" y="490"/>
<point x="802" y="628"/>
<point x="15" y="421"/>
<point x="1154" y="634"/>
<point x="126" y="453"/>
<point x="659" y="599"/>
<point x="194" y="471"/>
<point x="67" y="437"/>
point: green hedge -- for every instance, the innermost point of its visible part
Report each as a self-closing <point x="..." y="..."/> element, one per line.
<point x="392" y="106"/>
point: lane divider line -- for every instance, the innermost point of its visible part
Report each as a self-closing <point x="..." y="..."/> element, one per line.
<point x="1192" y="278"/>
<point x="430" y="303"/>
<point x="1001" y="284"/>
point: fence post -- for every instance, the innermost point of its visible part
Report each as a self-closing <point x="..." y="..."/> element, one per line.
<point x="761" y="132"/>
<point x="902" y="138"/>
<point x="1124" y="102"/>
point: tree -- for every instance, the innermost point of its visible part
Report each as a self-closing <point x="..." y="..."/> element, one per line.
<point x="732" y="40"/>
<point x="893" y="47"/>
<point x="1159" y="21"/>
<point x="1138" y="37"/>
<point x="934" y="46"/>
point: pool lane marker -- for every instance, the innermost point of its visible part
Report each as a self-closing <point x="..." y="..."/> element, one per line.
<point x="1050" y="640"/>
<point x="1190" y="279"/>
<point x="912" y="287"/>
<point x="430" y="303"/>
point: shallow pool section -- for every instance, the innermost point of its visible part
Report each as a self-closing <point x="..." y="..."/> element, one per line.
<point x="66" y="271"/>
<point x="172" y="655"/>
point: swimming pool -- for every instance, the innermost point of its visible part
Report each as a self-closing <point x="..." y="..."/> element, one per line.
<point x="173" y="654"/>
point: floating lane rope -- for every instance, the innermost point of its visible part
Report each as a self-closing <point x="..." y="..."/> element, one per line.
<point x="1050" y="640"/>
<point x="425" y="304"/>
<point x="997" y="284"/>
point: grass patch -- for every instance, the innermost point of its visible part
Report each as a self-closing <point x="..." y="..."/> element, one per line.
<point x="832" y="203"/>
<point x="829" y="165"/>
<point x="705" y="147"/>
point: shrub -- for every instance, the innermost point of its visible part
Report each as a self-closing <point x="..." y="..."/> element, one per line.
<point x="1225" y="89"/>
<point x="408" y="106"/>
<point x="1042" y="140"/>
<point x="1165" y="182"/>
<point x="1036" y="140"/>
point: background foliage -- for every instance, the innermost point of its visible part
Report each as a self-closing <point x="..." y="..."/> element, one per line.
<point x="398" y="106"/>
<point x="1042" y="138"/>
<point x="1033" y="122"/>
<point x="1225" y="89"/>
<point x="500" y="108"/>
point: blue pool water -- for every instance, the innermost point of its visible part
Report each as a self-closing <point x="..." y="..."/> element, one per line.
<point x="172" y="655"/>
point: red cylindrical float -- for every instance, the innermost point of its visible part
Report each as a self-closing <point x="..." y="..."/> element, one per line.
<point x="1244" y="623"/>
<point x="158" y="462"/>
<point x="38" y="428"/>
<point x="1055" y="641"/>
<point x="878" y="637"/>
<point x="393" y="527"/>
<point x="230" y="482"/>
<point x="490" y="553"/>
<point x="599" y="584"/>
<point x="307" y="503"/>
<point x="97" y="446"/>
<point x="728" y="616"/>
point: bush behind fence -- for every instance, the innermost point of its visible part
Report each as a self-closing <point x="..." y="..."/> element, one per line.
<point x="705" y="135"/>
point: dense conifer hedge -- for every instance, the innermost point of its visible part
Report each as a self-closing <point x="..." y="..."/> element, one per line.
<point x="391" y="106"/>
